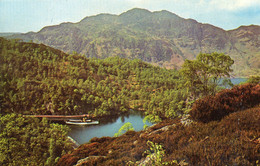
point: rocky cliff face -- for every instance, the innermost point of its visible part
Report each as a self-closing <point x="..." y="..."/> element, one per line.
<point x="161" y="38"/>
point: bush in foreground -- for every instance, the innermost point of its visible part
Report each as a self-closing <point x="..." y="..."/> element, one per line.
<point x="238" y="98"/>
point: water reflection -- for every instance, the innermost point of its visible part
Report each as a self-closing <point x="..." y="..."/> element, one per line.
<point x="108" y="127"/>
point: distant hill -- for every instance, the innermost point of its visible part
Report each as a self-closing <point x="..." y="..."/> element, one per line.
<point x="8" y="34"/>
<point x="161" y="38"/>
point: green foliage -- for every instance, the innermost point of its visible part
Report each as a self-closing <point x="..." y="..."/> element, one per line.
<point x="126" y="127"/>
<point x="254" y="80"/>
<point x="31" y="142"/>
<point x="151" y="118"/>
<point x="36" y="79"/>
<point x="147" y="119"/>
<point x="203" y="74"/>
<point x="155" y="153"/>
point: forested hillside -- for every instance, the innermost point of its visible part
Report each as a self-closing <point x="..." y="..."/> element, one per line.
<point x="36" y="79"/>
<point x="160" y="38"/>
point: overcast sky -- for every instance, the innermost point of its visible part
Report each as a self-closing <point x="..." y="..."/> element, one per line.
<point x="33" y="15"/>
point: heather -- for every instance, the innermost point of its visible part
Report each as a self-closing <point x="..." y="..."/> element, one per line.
<point x="234" y="140"/>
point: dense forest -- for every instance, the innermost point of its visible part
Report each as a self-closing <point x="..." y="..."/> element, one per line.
<point x="37" y="79"/>
<point x="30" y="141"/>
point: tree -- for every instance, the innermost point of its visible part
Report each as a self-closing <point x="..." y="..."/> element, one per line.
<point x="253" y="79"/>
<point x="156" y="153"/>
<point x="126" y="127"/>
<point x="25" y="141"/>
<point x="203" y="74"/>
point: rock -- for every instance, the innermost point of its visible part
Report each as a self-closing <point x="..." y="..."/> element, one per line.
<point x="87" y="159"/>
<point x="185" y="120"/>
<point x="147" y="161"/>
<point x="142" y="135"/>
<point x="110" y="151"/>
<point x="74" y="143"/>
<point x="165" y="128"/>
<point x="135" y="142"/>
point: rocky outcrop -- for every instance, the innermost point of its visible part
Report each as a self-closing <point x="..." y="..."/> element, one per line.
<point x="163" y="129"/>
<point x="89" y="160"/>
<point x="73" y="142"/>
<point x="161" y="38"/>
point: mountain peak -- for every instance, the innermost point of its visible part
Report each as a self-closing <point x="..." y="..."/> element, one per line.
<point x="135" y="14"/>
<point x="249" y="27"/>
<point x="166" y="13"/>
<point x="142" y="15"/>
<point x="136" y="11"/>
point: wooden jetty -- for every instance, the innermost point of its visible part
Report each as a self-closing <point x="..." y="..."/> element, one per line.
<point x="58" y="117"/>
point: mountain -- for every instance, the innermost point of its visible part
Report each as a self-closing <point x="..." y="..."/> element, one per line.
<point x="5" y="34"/>
<point x="161" y="38"/>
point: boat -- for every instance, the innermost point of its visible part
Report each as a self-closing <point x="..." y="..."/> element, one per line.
<point x="81" y="122"/>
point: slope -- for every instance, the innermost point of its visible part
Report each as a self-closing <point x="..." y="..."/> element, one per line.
<point x="233" y="139"/>
<point x="228" y="142"/>
<point x="161" y="38"/>
<point x="37" y="79"/>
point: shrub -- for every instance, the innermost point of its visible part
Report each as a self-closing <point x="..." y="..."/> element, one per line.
<point x="100" y="140"/>
<point x="126" y="127"/>
<point x="213" y="108"/>
<point x="254" y="79"/>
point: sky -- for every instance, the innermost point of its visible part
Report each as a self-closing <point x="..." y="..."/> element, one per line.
<point x="33" y="15"/>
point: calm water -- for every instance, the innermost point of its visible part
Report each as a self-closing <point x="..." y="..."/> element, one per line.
<point x="107" y="127"/>
<point x="235" y="81"/>
<point x="110" y="126"/>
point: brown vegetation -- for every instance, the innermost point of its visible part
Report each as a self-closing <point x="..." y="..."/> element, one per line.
<point x="232" y="141"/>
<point x="227" y="101"/>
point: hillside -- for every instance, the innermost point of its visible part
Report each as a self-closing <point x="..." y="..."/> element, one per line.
<point x="161" y="38"/>
<point x="234" y="140"/>
<point x="8" y="34"/>
<point x="226" y="133"/>
<point x="37" y="79"/>
<point x="223" y="132"/>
